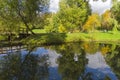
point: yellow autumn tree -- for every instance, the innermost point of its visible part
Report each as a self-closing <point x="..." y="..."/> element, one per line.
<point x="92" y="23"/>
<point x="106" y="21"/>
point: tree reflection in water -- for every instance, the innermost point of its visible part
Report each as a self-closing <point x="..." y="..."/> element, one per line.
<point x="32" y="67"/>
<point x="79" y="69"/>
<point x="113" y="59"/>
<point x="71" y="61"/>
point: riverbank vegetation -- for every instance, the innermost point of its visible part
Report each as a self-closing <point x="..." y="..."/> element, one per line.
<point x="27" y="22"/>
<point x="54" y="38"/>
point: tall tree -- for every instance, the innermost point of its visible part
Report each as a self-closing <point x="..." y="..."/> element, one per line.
<point x="106" y="22"/>
<point x="116" y="11"/>
<point x="73" y="14"/>
<point x="25" y="11"/>
<point x="51" y="23"/>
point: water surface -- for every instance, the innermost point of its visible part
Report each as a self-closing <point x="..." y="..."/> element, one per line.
<point x="72" y="61"/>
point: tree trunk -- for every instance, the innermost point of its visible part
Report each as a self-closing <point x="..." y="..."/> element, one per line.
<point x="27" y="26"/>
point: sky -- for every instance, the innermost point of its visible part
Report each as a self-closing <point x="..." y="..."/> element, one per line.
<point x="99" y="6"/>
<point x="54" y="6"/>
<point x="96" y="6"/>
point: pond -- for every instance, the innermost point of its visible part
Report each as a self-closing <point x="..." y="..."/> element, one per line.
<point x="71" y="61"/>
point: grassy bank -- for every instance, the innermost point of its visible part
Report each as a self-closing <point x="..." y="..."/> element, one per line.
<point x="51" y="38"/>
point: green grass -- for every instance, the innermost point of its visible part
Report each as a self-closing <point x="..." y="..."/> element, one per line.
<point x="42" y="37"/>
<point x="39" y="31"/>
<point x="74" y="37"/>
<point x="2" y="37"/>
<point x="49" y="38"/>
<point x="99" y="36"/>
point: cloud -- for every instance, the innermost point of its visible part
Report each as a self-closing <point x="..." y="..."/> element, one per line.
<point x="99" y="6"/>
<point x="54" y="5"/>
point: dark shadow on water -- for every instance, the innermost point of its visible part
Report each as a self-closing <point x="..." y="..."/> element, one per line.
<point x="17" y="66"/>
<point x="46" y="38"/>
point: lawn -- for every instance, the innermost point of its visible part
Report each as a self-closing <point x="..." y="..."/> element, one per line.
<point x="39" y="31"/>
<point x="47" y="38"/>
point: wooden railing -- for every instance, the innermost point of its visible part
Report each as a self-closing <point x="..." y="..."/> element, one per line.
<point x="5" y="50"/>
<point x="8" y="32"/>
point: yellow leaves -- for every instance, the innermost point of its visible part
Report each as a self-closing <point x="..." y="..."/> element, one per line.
<point x="90" y="47"/>
<point x="105" y="49"/>
<point x="86" y="46"/>
<point x="92" y="22"/>
<point x="106" y="20"/>
<point x="62" y="47"/>
<point x="106" y="15"/>
<point x="61" y="28"/>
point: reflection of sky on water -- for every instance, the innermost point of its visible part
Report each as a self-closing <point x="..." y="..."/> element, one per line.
<point x="96" y="64"/>
<point x="53" y="66"/>
<point x="100" y="73"/>
<point x="2" y="56"/>
<point x="96" y="61"/>
<point x="54" y="75"/>
<point x="98" y="67"/>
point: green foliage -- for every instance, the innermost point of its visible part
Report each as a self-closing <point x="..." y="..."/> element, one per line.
<point x="9" y="22"/>
<point x="73" y="14"/>
<point x="54" y="38"/>
<point x="26" y="12"/>
<point x="49" y="38"/>
<point x="52" y="23"/>
<point x="116" y="11"/>
<point x="61" y="28"/>
<point x="2" y="38"/>
<point x="39" y="31"/>
<point x="41" y="21"/>
<point x="113" y="24"/>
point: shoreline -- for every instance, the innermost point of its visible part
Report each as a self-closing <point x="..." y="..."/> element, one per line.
<point x="58" y="38"/>
<point x="54" y="38"/>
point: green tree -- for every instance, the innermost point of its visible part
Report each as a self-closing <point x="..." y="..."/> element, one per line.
<point x="25" y="11"/>
<point x="115" y="26"/>
<point x="73" y="14"/>
<point x="116" y="11"/>
<point x="51" y="23"/>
